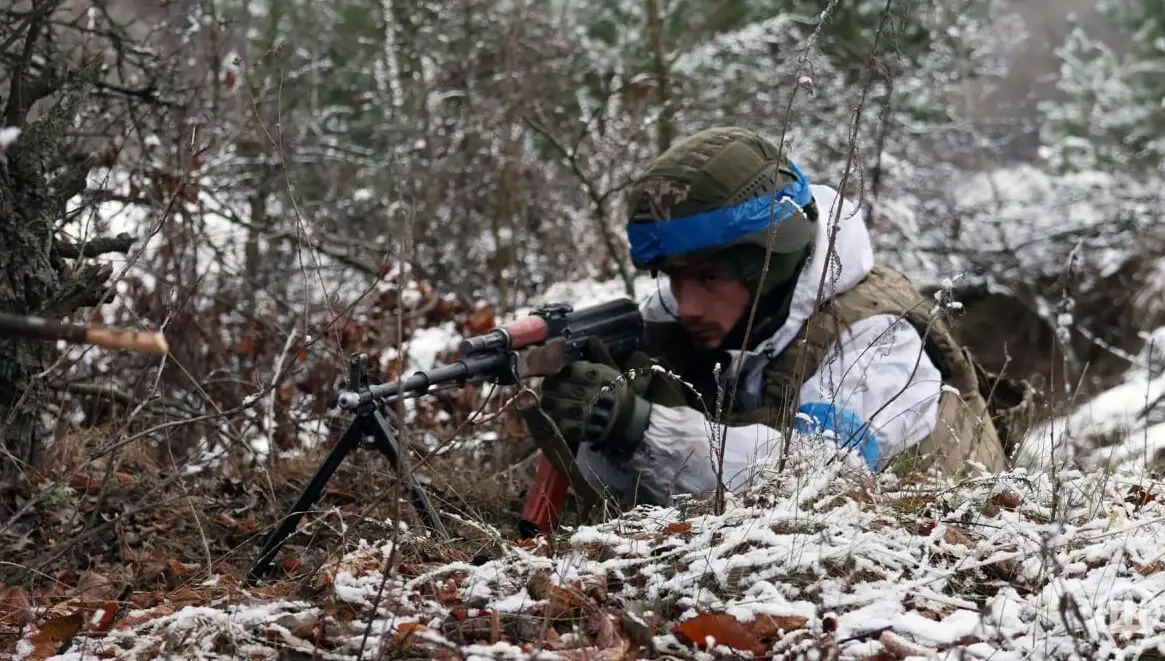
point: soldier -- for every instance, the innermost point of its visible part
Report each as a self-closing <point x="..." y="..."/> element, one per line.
<point x="776" y="315"/>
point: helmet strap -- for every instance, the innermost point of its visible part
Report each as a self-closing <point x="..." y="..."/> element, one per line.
<point x="771" y="311"/>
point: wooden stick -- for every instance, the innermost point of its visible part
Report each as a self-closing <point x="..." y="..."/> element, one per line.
<point x="145" y="342"/>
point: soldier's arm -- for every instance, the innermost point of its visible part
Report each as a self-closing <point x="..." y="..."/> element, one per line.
<point x="874" y="396"/>
<point x="878" y="391"/>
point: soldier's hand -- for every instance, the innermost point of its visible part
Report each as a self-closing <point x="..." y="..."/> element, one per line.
<point x="591" y="403"/>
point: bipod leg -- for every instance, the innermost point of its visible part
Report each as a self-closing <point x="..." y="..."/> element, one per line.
<point x="348" y="442"/>
<point x="385" y="441"/>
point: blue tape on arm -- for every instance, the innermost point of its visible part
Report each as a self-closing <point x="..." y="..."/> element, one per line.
<point x="845" y="425"/>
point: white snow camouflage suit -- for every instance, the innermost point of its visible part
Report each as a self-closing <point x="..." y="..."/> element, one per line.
<point x="924" y="406"/>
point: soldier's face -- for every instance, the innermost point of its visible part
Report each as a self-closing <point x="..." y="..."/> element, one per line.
<point x="710" y="301"/>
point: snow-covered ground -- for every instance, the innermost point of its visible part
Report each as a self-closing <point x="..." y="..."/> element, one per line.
<point x="1007" y="567"/>
<point x="1121" y="429"/>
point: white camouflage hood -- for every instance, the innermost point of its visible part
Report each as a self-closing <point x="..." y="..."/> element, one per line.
<point x="850" y="261"/>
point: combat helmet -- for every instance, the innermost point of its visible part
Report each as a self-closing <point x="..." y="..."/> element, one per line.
<point x="718" y="189"/>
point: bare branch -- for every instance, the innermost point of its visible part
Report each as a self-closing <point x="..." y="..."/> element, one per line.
<point x="95" y="247"/>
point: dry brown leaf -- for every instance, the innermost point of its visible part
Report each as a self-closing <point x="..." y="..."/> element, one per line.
<point x="52" y="632"/>
<point x="1007" y="500"/>
<point x="62" y="628"/>
<point x="1139" y="496"/>
<point x="14" y="606"/>
<point x="722" y="628"/>
<point x="568" y="601"/>
<point x="105" y="616"/>
<point x="767" y="626"/>
<point x="406" y="634"/>
<point x="95" y="587"/>
<point x="84" y="482"/>
<point x="449" y="593"/>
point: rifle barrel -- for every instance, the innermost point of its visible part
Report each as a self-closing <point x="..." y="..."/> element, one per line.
<point x="461" y="370"/>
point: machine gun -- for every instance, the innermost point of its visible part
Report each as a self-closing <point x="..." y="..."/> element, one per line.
<point x="541" y="344"/>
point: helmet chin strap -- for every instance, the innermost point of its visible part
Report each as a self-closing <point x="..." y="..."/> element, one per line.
<point x="773" y="308"/>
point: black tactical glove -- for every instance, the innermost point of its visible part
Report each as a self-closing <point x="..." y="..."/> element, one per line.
<point x="590" y="402"/>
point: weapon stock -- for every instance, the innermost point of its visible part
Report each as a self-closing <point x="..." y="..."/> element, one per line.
<point x="43" y="329"/>
<point x="541" y="344"/>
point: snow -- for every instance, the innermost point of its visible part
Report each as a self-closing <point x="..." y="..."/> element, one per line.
<point x="1119" y="412"/>
<point x="426" y="343"/>
<point x="932" y="566"/>
<point x="8" y="136"/>
<point x="1019" y="223"/>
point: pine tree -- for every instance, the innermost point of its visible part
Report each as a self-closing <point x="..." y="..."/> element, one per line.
<point x="1113" y="113"/>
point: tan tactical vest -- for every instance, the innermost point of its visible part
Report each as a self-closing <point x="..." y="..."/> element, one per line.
<point x="969" y="430"/>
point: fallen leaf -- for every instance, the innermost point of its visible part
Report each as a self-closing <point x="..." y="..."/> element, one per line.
<point x="405" y="634"/>
<point x="83" y="482"/>
<point x="449" y="593"/>
<point x="14" y="606"/>
<point x="49" y="636"/>
<point x="1008" y="500"/>
<point x="568" y="601"/>
<point x="722" y="628"/>
<point x="103" y="618"/>
<point x="60" y="629"/>
<point x="1139" y="496"/>
<point x="768" y="626"/>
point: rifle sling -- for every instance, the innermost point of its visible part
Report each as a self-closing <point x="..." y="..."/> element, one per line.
<point x="550" y="441"/>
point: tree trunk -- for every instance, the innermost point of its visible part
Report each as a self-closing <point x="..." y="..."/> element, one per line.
<point x="27" y="280"/>
<point x="39" y="174"/>
<point x="665" y="130"/>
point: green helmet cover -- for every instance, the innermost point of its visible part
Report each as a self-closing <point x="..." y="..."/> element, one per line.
<point x="726" y="168"/>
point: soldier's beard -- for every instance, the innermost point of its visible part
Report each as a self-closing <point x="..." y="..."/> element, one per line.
<point x="706" y="335"/>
